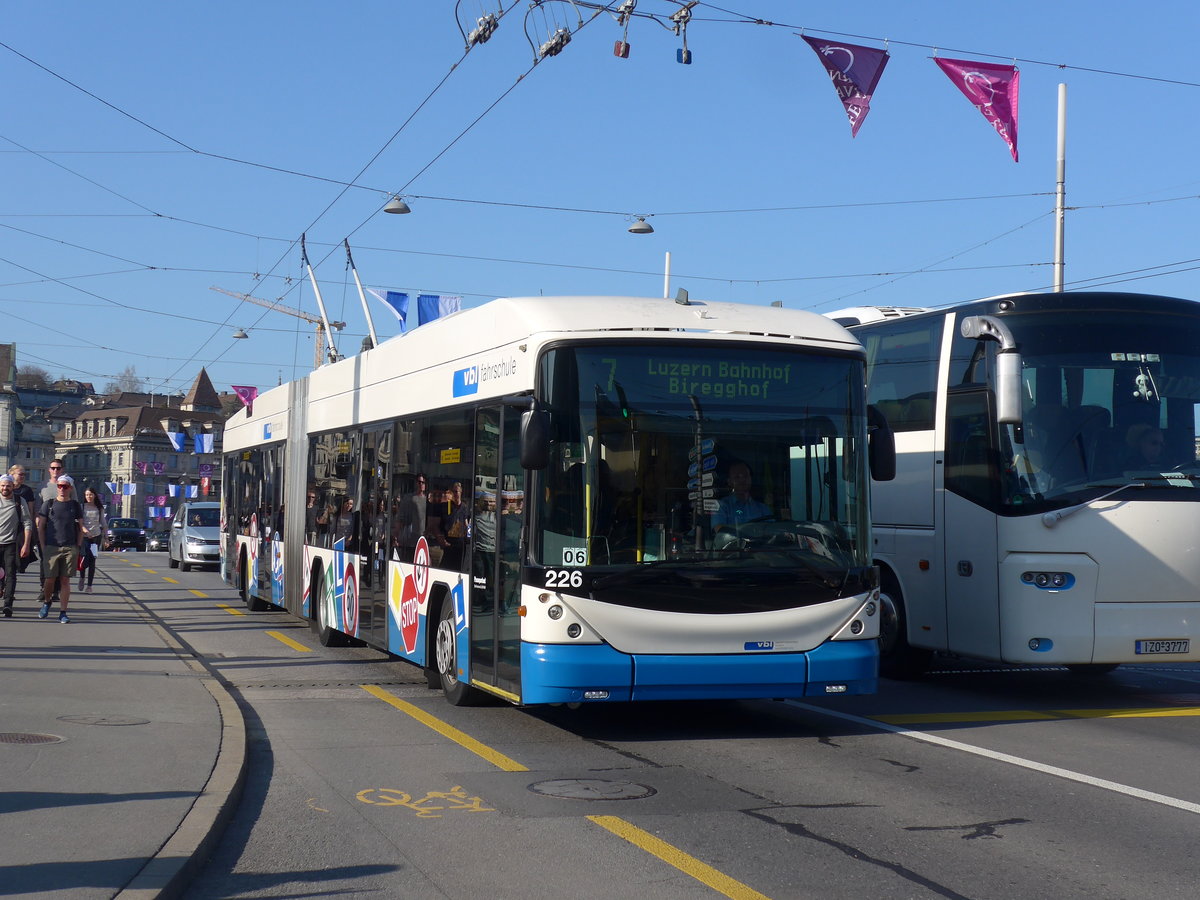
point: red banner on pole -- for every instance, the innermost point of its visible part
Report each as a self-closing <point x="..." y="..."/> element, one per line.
<point x="855" y="72"/>
<point x="992" y="89"/>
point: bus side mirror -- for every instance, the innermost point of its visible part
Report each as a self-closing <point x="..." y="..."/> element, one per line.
<point x="881" y="446"/>
<point x="535" y="439"/>
<point x="1008" y="364"/>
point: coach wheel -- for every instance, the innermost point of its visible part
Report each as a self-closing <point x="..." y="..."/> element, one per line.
<point x="242" y="577"/>
<point x="897" y="658"/>
<point x="457" y="692"/>
<point x="327" y="635"/>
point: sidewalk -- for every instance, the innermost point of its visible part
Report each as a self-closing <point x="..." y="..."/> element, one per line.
<point x="121" y="757"/>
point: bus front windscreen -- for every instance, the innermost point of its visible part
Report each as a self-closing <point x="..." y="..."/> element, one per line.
<point x="1110" y="398"/>
<point x="704" y="476"/>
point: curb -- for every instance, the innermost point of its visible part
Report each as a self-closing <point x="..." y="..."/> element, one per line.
<point x="169" y="872"/>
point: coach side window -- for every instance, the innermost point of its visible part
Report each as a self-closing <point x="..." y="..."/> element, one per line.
<point x="902" y="364"/>
<point x="333" y="464"/>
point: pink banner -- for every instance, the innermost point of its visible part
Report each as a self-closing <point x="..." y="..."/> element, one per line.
<point x="993" y="89"/>
<point x="246" y="395"/>
<point x="855" y="73"/>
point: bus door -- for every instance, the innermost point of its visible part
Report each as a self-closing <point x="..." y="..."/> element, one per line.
<point x="499" y="499"/>
<point x="374" y="531"/>
<point x="971" y="499"/>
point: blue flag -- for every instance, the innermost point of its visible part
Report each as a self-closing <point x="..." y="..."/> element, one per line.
<point x="203" y="442"/>
<point x="435" y="306"/>
<point x="176" y="438"/>
<point x="396" y="302"/>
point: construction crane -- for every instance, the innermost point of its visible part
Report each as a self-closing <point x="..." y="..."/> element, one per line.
<point x="318" y="344"/>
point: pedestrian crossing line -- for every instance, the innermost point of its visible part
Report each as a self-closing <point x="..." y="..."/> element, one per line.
<point x="1029" y="715"/>
<point x="284" y="639"/>
<point x="231" y="610"/>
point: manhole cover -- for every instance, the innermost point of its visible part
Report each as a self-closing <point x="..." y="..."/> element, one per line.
<point x="592" y="789"/>
<point x="12" y="737"/>
<point x="103" y="720"/>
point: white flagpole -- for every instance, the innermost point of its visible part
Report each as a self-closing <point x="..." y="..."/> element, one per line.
<point x="361" y="296"/>
<point x="1061" y="191"/>
<point x="667" y="278"/>
<point x="320" y="303"/>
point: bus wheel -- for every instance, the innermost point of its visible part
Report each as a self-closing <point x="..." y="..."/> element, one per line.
<point x="897" y="658"/>
<point x="1091" y="670"/>
<point x="243" y="579"/>
<point x="327" y="635"/>
<point x="457" y="692"/>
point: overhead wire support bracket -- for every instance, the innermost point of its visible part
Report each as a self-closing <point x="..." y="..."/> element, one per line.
<point x="485" y="26"/>
<point x="558" y="38"/>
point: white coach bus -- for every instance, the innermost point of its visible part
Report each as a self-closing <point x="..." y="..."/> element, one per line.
<point x="1045" y="508"/>
<point x="528" y="499"/>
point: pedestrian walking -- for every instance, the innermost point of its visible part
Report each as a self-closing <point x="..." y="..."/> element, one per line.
<point x="60" y="528"/>
<point x="27" y="495"/>
<point x="94" y="522"/>
<point x="16" y="538"/>
<point x="49" y="492"/>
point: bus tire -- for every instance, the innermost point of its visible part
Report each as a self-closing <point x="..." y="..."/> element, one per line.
<point x="457" y="692"/>
<point x="897" y="657"/>
<point x="254" y="603"/>
<point x="327" y="635"/>
<point x="1091" y="670"/>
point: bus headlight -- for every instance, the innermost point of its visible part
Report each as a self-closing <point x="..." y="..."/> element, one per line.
<point x="555" y="611"/>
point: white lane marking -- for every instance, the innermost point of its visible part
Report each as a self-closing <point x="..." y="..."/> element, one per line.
<point x="1079" y="777"/>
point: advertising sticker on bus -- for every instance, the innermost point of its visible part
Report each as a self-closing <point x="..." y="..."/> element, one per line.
<point x="407" y="593"/>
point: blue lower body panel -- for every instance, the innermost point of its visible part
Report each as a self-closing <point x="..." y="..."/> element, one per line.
<point x="558" y="673"/>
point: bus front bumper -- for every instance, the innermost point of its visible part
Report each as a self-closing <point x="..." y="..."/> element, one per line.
<point x="559" y="673"/>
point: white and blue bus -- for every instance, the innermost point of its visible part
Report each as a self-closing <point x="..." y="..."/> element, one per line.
<point x="528" y="499"/>
<point x="1046" y="505"/>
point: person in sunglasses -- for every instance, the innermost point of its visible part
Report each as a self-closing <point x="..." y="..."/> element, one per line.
<point x="60" y="527"/>
<point x="49" y="492"/>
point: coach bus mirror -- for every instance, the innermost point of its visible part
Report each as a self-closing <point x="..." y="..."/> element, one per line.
<point x="535" y="439"/>
<point x="1008" y="387"/>
<point x="881" y="446"/>
<point x="1008" y="364"/>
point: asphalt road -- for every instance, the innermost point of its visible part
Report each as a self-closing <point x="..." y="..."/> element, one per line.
<point x="976" y="782"/>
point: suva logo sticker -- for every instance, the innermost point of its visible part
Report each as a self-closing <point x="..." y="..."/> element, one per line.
<point x="408" y="595"/>
<point x="466" y="381"/>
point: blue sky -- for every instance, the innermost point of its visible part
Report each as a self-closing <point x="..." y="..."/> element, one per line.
<point x="127" y="192"/>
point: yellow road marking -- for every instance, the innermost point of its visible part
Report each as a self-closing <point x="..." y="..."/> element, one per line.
<point x="283" y="638"/>
<point x="199" y="594"/>
<point x="149" y="571"/>
<point x="445" y="729"/>
<point x="231" y="610"/>
<point x="673" y="856"/>
<point x="1029" y="715"/>
<point x="168" y="578"/>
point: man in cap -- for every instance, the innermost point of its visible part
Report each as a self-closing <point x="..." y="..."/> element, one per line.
<point x="16" y="537"/>
<point x="60" y="528"/>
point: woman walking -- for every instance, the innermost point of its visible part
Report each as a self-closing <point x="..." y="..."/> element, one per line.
<point x="94" y="522"/>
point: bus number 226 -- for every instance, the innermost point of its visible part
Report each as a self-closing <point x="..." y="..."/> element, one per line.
<point x="564" y="578"/>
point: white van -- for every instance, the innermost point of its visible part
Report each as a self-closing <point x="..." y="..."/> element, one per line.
<point x="195" y="536"/>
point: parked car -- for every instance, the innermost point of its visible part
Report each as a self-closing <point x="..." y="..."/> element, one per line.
<point x="159" y="538"/>
<point x="195" y="536"/>
<point x="124" y="533"/>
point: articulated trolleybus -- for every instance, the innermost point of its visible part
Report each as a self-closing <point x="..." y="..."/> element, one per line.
<point x="1046" y="505"/>
<point x="528" y="499"/>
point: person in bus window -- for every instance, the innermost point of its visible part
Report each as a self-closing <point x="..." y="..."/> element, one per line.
<point x="344" y="523"/>
<point x="1145" y="443"/>
<point x="739" y="507"/>
<point x="410" y="518"/>
<point x="457" y="527"/>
